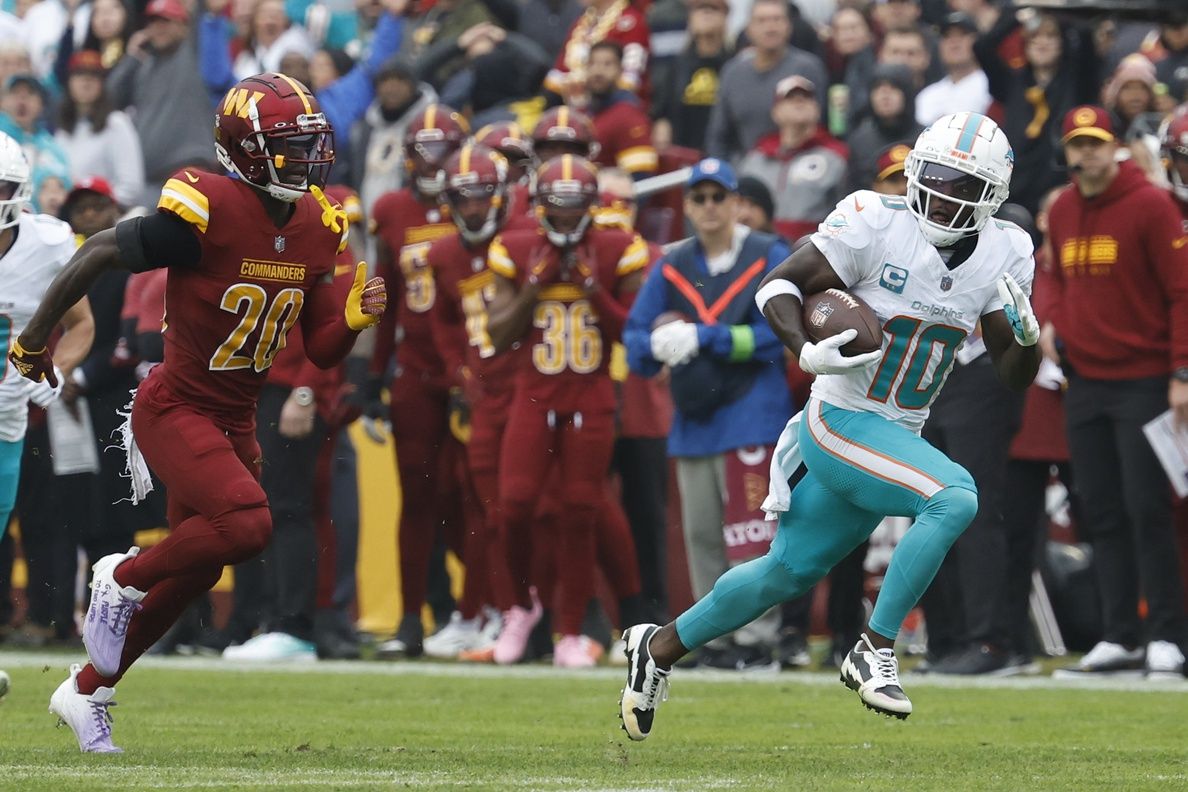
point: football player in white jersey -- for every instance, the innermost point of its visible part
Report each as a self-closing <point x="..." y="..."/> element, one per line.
<point x="932" y="266"/>
<point x="33" y="249"/>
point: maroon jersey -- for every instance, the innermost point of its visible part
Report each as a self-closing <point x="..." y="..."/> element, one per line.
<point x="227" y="317"/>
<point x="408" y="226"/>
<point x="465" y="289"/>
<point x="568" y="349"/>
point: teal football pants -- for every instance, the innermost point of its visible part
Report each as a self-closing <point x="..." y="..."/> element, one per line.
<point x="860" y="468"/>
<point x="10" y="476"/>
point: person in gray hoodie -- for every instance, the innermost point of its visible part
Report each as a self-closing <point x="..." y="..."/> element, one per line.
<point x="891" y="119"/>
<point x="376" y="140"/>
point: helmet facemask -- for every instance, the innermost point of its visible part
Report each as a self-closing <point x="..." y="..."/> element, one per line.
<point x="476" y="209"/>
<point x="286" y="162"/>
<point x="14" y="197"/>
<point x="426" y="161"/>
<point x="949" y="204"/>
<point x="564" y="213"/>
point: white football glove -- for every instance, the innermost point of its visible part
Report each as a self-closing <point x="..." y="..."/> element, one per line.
<point x="675" y="343"/>
<point x="42" y="393"/>
<point x="825" y="357"/>
<point x="1018" y="311"/>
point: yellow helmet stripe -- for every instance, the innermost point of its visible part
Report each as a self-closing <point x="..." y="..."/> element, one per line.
<point x="567" y="166"/>
<point x="431" y="117"/>
<point x="464" y="164"/>
<point x="300" y="92"/>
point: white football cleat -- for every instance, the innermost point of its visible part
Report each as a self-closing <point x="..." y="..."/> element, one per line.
<point x="273" y="647"/>
<point x="874" y="675"/>
<point x="5" y="684"/>
<point x="110" y="611"/>
<point x="647" y="684"/>
<point x="454" y="638"/>
<point x="89" y="717"/>
<point x="1164" y="661"/>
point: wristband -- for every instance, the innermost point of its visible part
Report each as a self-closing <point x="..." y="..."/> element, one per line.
<point x="775" y="288"/>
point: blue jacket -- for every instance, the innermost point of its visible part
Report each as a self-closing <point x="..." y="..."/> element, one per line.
<point x="758" y="415"/>
<point x="343" y="101"/>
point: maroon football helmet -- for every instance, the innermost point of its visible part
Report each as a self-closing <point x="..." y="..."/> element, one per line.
<point x="1173" y="142"/>
<point x="270" y="131"/>
<point x="564" y="130"/>
<point x="508" y="139"/>
<point x="430" y="139"/>
<point x="565" y="192"/>
<point x="476" y="191"/>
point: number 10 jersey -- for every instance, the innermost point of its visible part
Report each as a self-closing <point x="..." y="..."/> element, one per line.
<point x="926" y="309"/>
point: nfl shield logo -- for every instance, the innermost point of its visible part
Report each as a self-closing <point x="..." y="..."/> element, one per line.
<point x="279" y="244"/>
<point x="946" y="283"/>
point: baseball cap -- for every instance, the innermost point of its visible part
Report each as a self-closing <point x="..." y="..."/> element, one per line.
<point x="795" y="82"/>
<point x="1087" y="120"/>
<point x="89" y="61"/>
<point x="959" y="19"/>
<point x="29" y="81"/>
<point x="91" y="184"/>
<point x="891" y="160"/>
<point x="757" y="193"/>
<point x="713" y="170"/>
<point x="167" y="9"/>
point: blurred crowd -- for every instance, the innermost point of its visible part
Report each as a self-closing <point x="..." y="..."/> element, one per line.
<point x="795" y="105"/>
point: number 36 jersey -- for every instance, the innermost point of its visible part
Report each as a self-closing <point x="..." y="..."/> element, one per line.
<point x="226" y="316"/>
<point x="927" y="310"/>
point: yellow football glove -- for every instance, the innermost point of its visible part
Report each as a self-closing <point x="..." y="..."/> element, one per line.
<point x="367" y="300"/>
<point x="333" y="217"/>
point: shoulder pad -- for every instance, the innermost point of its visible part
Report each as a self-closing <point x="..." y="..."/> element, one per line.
<point x="185" y="195"/>
<point x="1020" y="240"/>
<point x="51" y="231"/>
<point x="876" y="209"/>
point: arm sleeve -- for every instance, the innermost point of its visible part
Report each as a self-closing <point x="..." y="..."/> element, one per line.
<point x="155" y="241"/>
<point x="121" y="80"/>
<point x="846" y="237"/>
<point x="324" y="330"/>
<point x="1166" y="249"/>
<point x="650" y="302"/>
<point x="635" y="153"/>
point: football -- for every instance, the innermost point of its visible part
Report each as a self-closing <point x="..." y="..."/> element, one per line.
<point x="830" y="312"/>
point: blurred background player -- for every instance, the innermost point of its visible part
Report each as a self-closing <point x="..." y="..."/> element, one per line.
<point x="405" y="223"/>
<point x="231" y="302"/>
<point x="562" y="291"/>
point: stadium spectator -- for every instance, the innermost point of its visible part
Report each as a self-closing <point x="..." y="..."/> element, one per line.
<point x="270" y="37"/>
<point x="891" y="120"/>
<point x="748" y="82"/>
<point x="98" y="140"/>
<point x="726" y="370"/>
<point x="964" y="84"/>
<point x="621" y="125"/>
<point x="14" y="59"/>
<point x="686" y="86"/>
<point x="850" y="58"/>
<point x="1168" y="49"/>
<point x="889" y="176"/>
<point x="1129" y="95"/>
<point x="377" y="141"/>
<point x="108" y="25"/>
<point x="445" y="21"/>
<point x="159" y="76"/>
<point x="756" y="207"/>
<point x="1119" y="298"/>
<point x="1060" y="69"/>
<point x="801" y="163"/>
<point x="908" y="47"/>
<point x="610" y="20"/>
<point x="51" y="184"/>
<point x="500" y="69"/>
<point x="547" y="22"/>
<point x="22" y="118"/>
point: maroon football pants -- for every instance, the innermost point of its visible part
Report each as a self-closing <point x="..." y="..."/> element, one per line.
<point x="218" y="514"/>
<point x="580" y="445"/>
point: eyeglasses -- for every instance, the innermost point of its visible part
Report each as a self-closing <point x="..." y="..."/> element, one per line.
<point x="717" y="197"/>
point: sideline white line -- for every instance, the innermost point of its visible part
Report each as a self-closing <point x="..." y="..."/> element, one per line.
<point x="61" y="661"/>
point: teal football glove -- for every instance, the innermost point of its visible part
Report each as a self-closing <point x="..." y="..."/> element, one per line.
<point x="1018" y="311"/>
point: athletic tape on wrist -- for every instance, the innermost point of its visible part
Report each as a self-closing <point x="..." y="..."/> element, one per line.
<point x="777" y="287"/>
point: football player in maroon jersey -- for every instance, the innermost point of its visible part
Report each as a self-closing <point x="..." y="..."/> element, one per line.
<point x="405" y="222"/>
<point x="562" y="291"/>
<point x="248" y="257"/>
<point x="564" y="130"/>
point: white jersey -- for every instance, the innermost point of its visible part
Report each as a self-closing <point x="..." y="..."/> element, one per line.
<point x="927" y="310"/>
<point x="43" y="246"/>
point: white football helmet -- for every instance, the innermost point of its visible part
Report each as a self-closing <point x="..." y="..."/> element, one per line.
<point x="964" y="160"/>
<point x="16" y="184"/>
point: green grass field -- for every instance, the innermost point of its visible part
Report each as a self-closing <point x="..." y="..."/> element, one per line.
<point x="202" y="725"/>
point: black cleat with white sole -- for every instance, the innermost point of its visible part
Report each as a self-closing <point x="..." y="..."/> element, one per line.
<point x="874" y="675"/>
<point x="647" y="685"/>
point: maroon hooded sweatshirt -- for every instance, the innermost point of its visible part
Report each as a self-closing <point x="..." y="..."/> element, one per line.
<point x="1120" y="287"/>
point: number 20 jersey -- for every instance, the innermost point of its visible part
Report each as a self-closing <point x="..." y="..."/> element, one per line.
<point x="227" y="316"/>
<point x="927" y="310"/>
